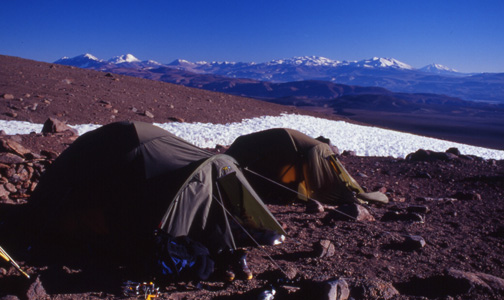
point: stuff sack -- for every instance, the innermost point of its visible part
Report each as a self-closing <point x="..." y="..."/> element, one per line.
<point x="181" y="258"/>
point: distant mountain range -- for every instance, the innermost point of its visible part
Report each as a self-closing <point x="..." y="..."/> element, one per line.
<point x="380" y="92"/>
<point x="282" y="78"/>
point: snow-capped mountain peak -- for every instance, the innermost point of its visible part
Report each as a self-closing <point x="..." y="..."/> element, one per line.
<point x="91" y="57"/>
<point x="437" y="68"/>
<point x="305" y="61"/>
<point x="82" y="61"/>
<point x="182" y="63"/>
<point x="81" y="57"/>
<point x="153" y="62"/>
<point x="379" y="62"/>
<point x="127" y="58"/>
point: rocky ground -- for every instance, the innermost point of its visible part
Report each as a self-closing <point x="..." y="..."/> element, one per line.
<point x="440" y="237"/>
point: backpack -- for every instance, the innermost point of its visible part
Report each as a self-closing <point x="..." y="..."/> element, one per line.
<point x="181" y="258"/>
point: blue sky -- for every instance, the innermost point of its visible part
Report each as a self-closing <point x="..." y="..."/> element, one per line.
<point x="465" y="35"/>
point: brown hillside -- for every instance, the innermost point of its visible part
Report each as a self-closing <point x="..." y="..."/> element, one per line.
<point x="78" y="96"/>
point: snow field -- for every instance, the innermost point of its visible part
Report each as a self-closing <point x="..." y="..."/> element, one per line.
<point x="364" y="140"/>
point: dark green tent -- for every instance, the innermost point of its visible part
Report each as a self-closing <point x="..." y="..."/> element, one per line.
<point x="115" y="185"/>
<point x="299" y="162"/>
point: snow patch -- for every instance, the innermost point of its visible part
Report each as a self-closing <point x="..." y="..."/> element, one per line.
<point x="364" y="140"/>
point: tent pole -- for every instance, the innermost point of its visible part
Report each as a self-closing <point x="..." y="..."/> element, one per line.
<point x="9" y="259"/>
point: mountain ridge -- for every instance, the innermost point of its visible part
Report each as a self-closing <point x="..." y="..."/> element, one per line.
<point x="391" y="74"/>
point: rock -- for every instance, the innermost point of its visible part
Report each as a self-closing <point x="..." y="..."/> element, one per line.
<point x="427" y="155"/>
<point x="348" y="153"/>
<point x="422" y="209"/>
<point x="291" y="273"/>
<point x="455" y="151"/>
<point x="427" y="199"/>
<point x="9" y="297"/>
<point x="424" y="175"/>
<point x="36" y="291"/>
<point x="9" y="158"/>
<point x="335" y="290"/>
<point x="4" y="193"/>
<point x="221" y="148"/>
<point x="328" y="141"/>
<point x="374" y="288"/>
<point x="9" y="145"/>
<point x="478" y="280"/>
<point x="148" y="114"/>
<point x="53" y="125"/>
<point x="10" y="187"/>
<point x="8" y="96"/>
<point x="176" y="119"/>
<point x="313" y="206"/>
<point x="49" y="154"/>
<point x="467" y="196"/>
<point x="413" y="242"/>
<point x="352" y="211"/>
<point x="324" y="248"/>
<point x="397" y="216"/>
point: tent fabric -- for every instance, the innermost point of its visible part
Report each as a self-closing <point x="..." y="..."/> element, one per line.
<point x="299" y="162"/>
<point x="115" y="185"/>
<point x="197" y="205"/>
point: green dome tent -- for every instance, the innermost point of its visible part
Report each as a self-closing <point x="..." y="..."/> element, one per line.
<point x="114" y="186"/>
<point x="298" y="162"/>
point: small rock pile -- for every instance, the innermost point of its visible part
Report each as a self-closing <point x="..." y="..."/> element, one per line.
<point x="20" y="170"/>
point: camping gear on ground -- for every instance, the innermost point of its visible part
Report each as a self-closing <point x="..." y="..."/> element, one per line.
<point x="147" y="290"/>
<point x="181" y="258"/>
<point x="233" y="264"/>
<point x="302" y="164"/>
<point x="112" y="187"/>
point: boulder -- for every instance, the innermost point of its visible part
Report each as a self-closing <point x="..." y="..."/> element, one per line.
<point x="36" y="291"/>
<point x="374" y="288"/>
<point x="324" y="248"/>
<point x="428" y="155"/>
<point x="478" y="280"/>
<point x="313" y="206"/>
<point x="413" y="242"/>
<point x="53" y="125"/>
<point x="335" y="290"/>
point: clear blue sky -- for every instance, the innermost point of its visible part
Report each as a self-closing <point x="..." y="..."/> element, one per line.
<point x="467" y="35"/>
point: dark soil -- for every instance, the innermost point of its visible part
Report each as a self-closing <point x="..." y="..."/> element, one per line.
<point x="456" y="205"/>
